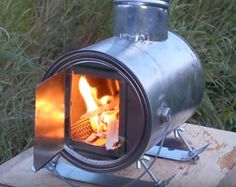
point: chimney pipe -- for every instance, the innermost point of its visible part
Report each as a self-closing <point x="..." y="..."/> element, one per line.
<point x="141" y="19"/>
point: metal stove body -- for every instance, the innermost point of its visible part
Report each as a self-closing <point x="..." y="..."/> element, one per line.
<point x="154" y="73"/>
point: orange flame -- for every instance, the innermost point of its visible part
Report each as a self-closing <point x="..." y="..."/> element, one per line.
<point x="86" y="92"/>
<point x="101" y="118"/>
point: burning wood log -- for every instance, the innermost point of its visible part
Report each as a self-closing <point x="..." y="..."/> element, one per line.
<point x="99" y="127"/>
<point x="91" y="138"/>
<point x="112" y="137"/>
<point x="108" y="107"/>
<point x="99" y="142"/>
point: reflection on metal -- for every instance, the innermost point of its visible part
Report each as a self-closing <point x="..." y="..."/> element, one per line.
<point x="157" y="181"/>
<point x="162" y="86"/>
<point x="169" y="72"/>
<point x="49" y="119"/>
<point x="141" y="20"/>
<point x="143" y="163"/>
<point x="193" y="153"/>
<point x="177" y="154"/>
<point x="67" y="171"/>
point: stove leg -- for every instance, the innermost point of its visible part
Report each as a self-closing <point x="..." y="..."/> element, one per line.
<point x="173" y="154"/>
<point x="142" y="162"/>
<point x="158" y="182"/>
<point x="177" y="154"/>
<point x="65" y="171"/>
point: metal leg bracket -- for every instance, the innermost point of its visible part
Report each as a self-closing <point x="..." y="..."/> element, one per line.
<point x="65" y="171"/>
<point x="177" y="154"/>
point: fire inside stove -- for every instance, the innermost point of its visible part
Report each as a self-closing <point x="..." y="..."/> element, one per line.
<point x="102" y="107"/>
<point x="95" y="111"/>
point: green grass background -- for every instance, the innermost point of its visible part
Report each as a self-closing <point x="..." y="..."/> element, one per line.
<point x="33" y="33"/>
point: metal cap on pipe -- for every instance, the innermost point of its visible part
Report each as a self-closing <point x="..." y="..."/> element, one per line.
<point x="141" y="19"/>
<point x="164" y="3"/>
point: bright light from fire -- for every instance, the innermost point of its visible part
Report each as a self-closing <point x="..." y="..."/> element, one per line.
<point x="99" y="126"/>
<point x="86" y="92"/>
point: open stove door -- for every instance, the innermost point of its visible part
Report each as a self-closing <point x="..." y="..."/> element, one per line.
<point x="49" y="119"/>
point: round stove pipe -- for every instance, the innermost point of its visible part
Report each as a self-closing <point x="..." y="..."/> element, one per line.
<point x="141" y="19"/>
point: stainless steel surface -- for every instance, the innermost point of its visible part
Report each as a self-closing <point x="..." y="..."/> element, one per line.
<point x="173" y="154"/>
<point x="138" y="163"/>
<point x="150" y="2"/>
<point x="162" y="73"/>
<point x="151" y="174"/>
<point x="169" y="72"/>
<point x="165" y="115"/>
<point x="176" y="154"/>
<point x="179" y="132"/>
<point x="141" y="20"/>
<point x="17" y="171"/>
<point x="193" y="153"/>
<point x="67" y="171"/>
<point x="49" y="120"/>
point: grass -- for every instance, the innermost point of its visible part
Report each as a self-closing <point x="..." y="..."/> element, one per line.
<point x="210" y="27"/>
<point x="33" y="33"/>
